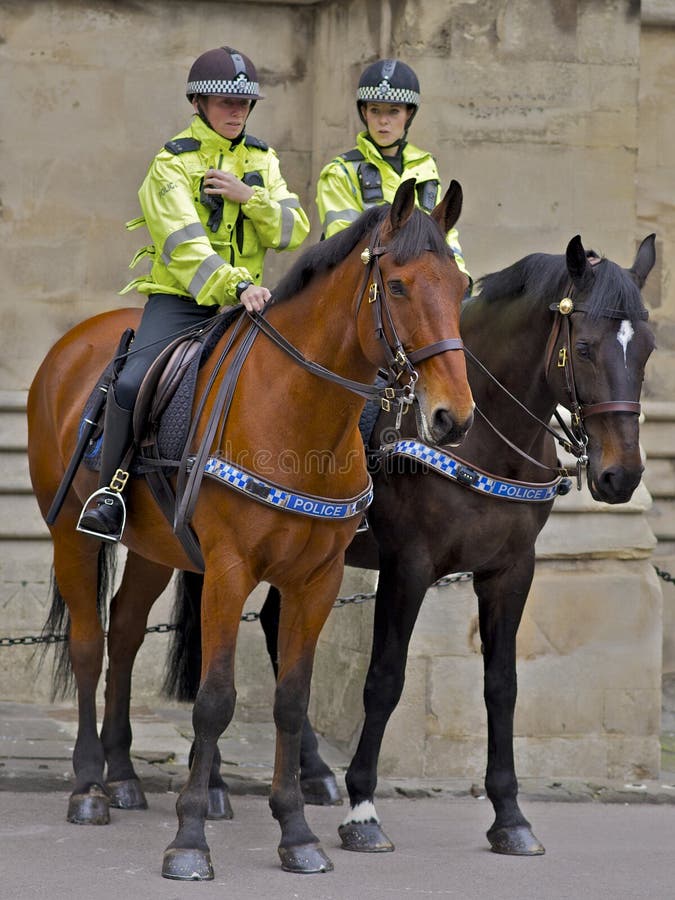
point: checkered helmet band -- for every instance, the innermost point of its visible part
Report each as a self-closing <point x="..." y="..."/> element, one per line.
<point x="241" y="87"/>
<point x="385" y="93"/>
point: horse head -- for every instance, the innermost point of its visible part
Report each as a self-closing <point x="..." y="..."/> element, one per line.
<point x="421" y="291"/>
<point x="599" y="364"/>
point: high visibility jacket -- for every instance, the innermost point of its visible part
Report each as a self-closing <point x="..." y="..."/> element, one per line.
<point x="193" y="251"/>
<point x="348" y="186"/>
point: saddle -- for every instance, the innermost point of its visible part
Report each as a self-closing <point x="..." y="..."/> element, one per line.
<point x="162" y="416"/>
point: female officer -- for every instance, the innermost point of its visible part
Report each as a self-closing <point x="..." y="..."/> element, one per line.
<point x="387" y="100"/>
<point x="214" y="201"/>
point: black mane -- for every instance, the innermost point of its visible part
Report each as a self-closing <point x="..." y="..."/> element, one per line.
<point x="545" y="279"/>
<point x="420" y="233"/>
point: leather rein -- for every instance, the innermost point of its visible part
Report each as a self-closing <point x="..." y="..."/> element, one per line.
<point x="395" y="393"/>
<point x="399" y="364"/>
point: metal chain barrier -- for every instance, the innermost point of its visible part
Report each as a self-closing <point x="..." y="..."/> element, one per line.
<point x="31" y="640"/>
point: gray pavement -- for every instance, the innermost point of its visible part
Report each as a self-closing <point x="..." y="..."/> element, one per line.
<point x="603" y="839"/>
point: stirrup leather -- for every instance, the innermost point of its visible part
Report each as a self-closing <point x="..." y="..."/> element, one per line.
<point x="110" y="495"/>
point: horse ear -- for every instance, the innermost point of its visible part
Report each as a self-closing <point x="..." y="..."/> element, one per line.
<point x="644" y="259"/>
<point x="448" y="210"/>
<point x="576" y="258"/>
<point x="402" y="205"/>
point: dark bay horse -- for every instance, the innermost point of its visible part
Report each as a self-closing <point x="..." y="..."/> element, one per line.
<point x="385" y="288"/>
<point x="568" y="330"/>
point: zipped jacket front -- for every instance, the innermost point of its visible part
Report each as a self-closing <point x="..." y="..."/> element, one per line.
<point x="202" y="253"/>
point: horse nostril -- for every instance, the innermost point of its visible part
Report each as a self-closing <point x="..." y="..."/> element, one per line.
<point x="445" y="428"/>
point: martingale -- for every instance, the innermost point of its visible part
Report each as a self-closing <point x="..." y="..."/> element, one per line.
<point x="457" y="470"/>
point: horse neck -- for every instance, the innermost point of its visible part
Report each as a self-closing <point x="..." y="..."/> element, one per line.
<point x="320" y="321"/>
<point x="510" y="340"/>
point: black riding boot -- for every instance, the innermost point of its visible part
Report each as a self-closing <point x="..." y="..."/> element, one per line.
<point x="105" y="519"/>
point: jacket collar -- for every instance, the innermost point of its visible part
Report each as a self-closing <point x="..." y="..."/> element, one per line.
<point x="210" y="139"/>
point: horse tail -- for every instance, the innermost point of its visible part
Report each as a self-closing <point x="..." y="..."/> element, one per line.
<point x="184" y="658"/>
<point x="56" y="629"/>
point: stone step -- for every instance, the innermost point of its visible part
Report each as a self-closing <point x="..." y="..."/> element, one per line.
<point x="13" y="430"/>
<point x="658" y="439"/>
<point x="661" y="518"/>
<point x="25" y="521"/>
<point x="659" y="477"/>
<point x="14" y="475"/>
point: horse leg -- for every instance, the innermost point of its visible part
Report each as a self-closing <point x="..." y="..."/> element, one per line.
<point x="187" y="858"/>
<point x="76" y="576"/>
<point x="142" y="583"/>
<point x="304" y="611"/>
<point x="317" y="781"/>
<point x="501" y="600"/>
<point x="400" y="592"/>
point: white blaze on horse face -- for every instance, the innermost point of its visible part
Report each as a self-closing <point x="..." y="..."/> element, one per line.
<point x="361" y="813"/>
<point x="623" y="336"/>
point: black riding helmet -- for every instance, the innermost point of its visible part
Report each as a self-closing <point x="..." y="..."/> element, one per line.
<point x="226" y="72"/>
<point x="388" y="81"/>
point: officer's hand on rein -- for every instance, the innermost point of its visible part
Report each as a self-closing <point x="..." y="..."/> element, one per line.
<point x="255" y="297"/>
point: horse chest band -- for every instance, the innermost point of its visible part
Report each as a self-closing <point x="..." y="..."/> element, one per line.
<point x="292" y="501"/>
<point x="454" y="469"/>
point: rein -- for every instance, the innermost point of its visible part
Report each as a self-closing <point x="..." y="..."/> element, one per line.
<point x="398" y="362"/>
<point x="193" y="466"/>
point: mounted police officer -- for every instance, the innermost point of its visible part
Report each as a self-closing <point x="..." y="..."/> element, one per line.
<point x="214" y="201"/>
<point x="387" y="99"/>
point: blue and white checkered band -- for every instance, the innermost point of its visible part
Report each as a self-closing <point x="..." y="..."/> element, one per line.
<point x="240" y="86"/>
<point x="385" y="93"/>
<point x="456" y="470"/>
<point x="272" y="495"/>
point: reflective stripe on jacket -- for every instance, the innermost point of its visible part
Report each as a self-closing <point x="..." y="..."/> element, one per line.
<point x="188" y="258"/>
<point x="339" y="198"/>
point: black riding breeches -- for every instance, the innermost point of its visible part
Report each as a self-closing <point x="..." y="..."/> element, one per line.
<point x="165" y="316"/>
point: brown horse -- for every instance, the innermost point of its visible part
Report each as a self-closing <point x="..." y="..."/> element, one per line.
<point x="350" y="313"/>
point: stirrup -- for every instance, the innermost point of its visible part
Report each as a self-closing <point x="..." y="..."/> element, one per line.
<point x="110" y="496"/>
<point x="363" y="525"/>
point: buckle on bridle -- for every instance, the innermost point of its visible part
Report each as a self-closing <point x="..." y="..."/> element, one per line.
<point x="372" y="292"/>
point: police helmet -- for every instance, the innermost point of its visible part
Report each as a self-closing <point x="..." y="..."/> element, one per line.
<point x="223" y="71"/>
<point x="388" y="81"/>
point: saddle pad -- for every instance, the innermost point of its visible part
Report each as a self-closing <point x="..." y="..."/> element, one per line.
<point x="175" y="421"/>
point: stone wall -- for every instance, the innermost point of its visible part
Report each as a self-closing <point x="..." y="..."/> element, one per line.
<point x="554" y="116"/>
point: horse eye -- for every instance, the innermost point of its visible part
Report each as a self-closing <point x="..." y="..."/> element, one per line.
<point x="396" y="287"/>
<point x="583" y="350"/>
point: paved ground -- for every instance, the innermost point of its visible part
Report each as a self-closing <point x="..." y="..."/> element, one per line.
<point x="617" y="841"/>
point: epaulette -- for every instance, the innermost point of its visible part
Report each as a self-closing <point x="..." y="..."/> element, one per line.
<point x="251" y="141"/>
<point x="182" y="145"/>
<point x="353" y="156"/>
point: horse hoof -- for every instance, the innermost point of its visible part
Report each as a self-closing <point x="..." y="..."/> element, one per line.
<point x="306" y="859"/>
<point x="516" y="840"/>
<point x="184" y="864"/>
<point x="364" y="837"/>
<point x="219" y="804"/>
<point x="90" y="808"/>
<point x="321" y="790"/>
<point x="126" y="794"/>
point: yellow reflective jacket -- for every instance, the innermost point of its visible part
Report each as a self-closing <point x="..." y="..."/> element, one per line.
<point x="188" y="257"/>
<point x="340" y="191"/>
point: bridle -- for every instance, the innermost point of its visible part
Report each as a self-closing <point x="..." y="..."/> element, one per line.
<point x="398" y="392"/>
<point x="579" y="412"/>
<point x="576" y="442"/>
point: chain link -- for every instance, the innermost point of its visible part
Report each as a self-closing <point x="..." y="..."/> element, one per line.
<point x="31" y="640"/>
<point x="665" y="575"/>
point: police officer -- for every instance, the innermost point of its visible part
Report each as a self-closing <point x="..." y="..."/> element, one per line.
<point x="214" y="201"/>
<point x="387" y="99"/>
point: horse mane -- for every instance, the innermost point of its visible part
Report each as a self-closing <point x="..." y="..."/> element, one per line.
<point x="420" y="233"/>
<point x="544" y="278"/>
